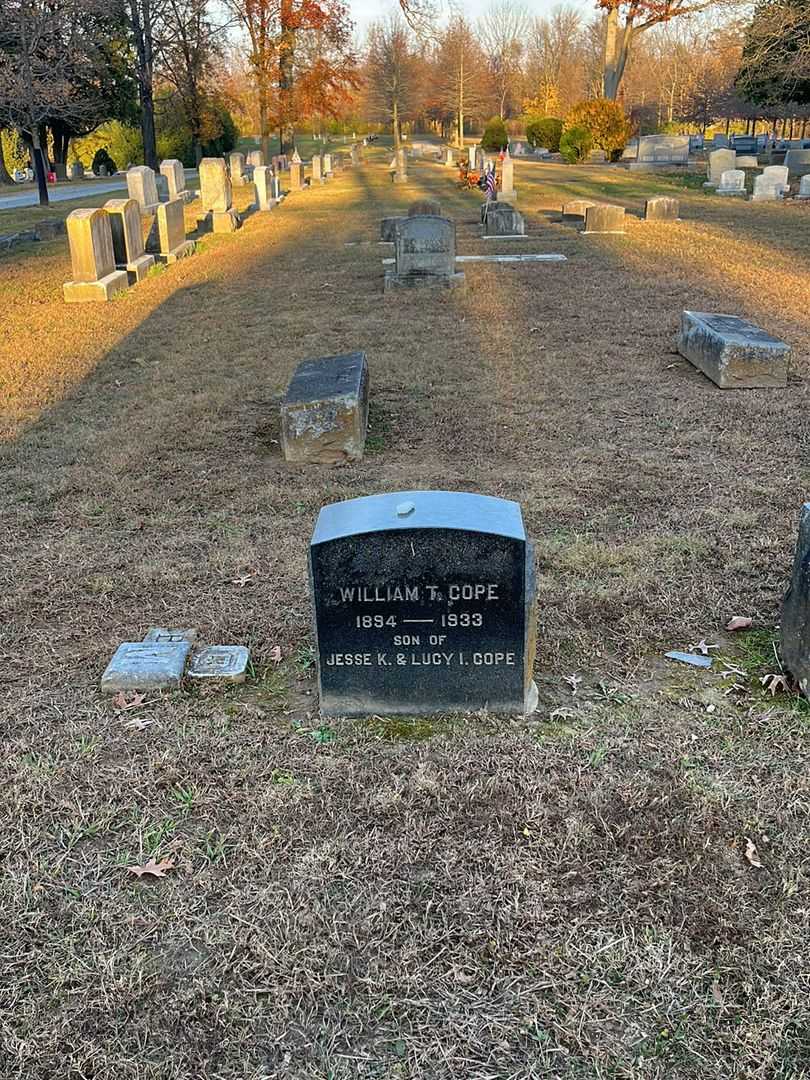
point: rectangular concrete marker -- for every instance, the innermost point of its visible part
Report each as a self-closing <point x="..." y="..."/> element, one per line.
<point x="142" y="188"/>
<point x="794" y="622"/>
<point x="92" y="258"/>
<point x="127" y="239"/>
<point x="733" y="352"/>
<point x="263" y="182"/>
<point x="661" y="208"/>
<point x="576" y="208"/>
<point x="324" y="414"/>
<point x="224" y="662"/>
<point x="142" y="665"/>
<point x="424" y="603"/>
<point x="317" y="169"/>
<point x="424" y="254"/>
<point x="216" y="195"/>
<point x="604" y="218"/>
<point x="732" y="183"/>
<point x="171" y="228"/>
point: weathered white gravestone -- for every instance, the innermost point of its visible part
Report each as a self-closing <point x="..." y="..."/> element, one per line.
<point x="92" y="258"/>
<point x="661" y="208"/>
<point x="236" y="166"/>
<point x="450" y="160"/>
<point x="733" y="352"/>
<point x="216" y="196"/>
<point x="317" y="169"/>
<point x="255" y="159"/>
<point x="142" y="188"/>
<point x="772" y="183"/>
<point x="327" y="165"/>
<point x="175" y="175"/>
<point x="263" y="182"/>
<point x="604" y="218"/>
<point x="732" y="182"/>
<point x="507" y="191"/>
<point x="127" y="239"/>
<point x="661" y="150"/>
<point x="424" y="603"/>
<point x="170" y="221"/>
<point x="720" y="161"/>
<point x="472" y="159"/>
<point x="804" y="187"/>
<point x="424" y="254"/>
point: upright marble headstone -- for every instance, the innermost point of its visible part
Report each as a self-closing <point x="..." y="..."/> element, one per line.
<point x="798" y="163"/>
<point x="327" y="165"/>
<point x="255" y="159"/>
<point x="236" y="167"/>
<point x="732" y="182"/>
<point x="794" y="621"/>
<point x="804" y="187"/>
<point x="472" y="158"/>
<point x="450" y="160"/>
<point x="317" y="169"/>
<point x="171" y="231"/>
<point x="175" y="175"/>
<point x="661" y="150"/>
<point x="216" y="195"/>
<point x="424" y="603"/>
<point x="324" y="414"/>
<point x="424" y="254"/>
<point x="661" y="208"/>
<point x="92" y="258"/>
<point x="771" y="184"/>
<point x="733" y="352"/>
<point x="507" y="191"/>
<point x="296" y="175"/>
<point x="720" y="161"/>
<point x="142" y="188"/>
<point x="604" y="218"/>
<point x="263" y="182"/>
<point x="127" y="239"/>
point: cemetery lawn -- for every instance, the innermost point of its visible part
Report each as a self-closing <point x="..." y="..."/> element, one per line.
<point x="575" y="895"/>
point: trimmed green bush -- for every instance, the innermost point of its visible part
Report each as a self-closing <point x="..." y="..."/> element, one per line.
<point x="575" y="144"/>
<point x="544" y="131"/>
<point x="495" y="137"/>
<point x="606" y="122"/>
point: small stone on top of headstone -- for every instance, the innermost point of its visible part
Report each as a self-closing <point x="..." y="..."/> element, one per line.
<point x="324" y="413"/>
<point x="424" y="603"/>
<point x="143" y="665"/>
<point x="661" y="208"/>
<point x="733" y="352"/>
<point x="794" y="620"/>
<point x="227" y="663"/>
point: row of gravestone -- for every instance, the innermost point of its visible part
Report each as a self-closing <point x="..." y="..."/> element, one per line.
<point x="727" y="171"/>
<point x="107" y="247"/>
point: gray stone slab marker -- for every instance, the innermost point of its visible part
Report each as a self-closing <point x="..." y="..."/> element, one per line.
<point x="324" y="414"/>
<point x="227" y="663"/>
<point x="142" y="665"/>
<point x="733" y="352"/>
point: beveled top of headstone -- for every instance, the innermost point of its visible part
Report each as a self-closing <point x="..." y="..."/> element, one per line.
<point x="425" y="244"/>
<point x="735" y="330"/>
<point x="326" y="377"/>
<point x="462" y="510"/>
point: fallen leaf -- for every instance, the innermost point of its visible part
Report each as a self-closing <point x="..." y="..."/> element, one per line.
<point x="573" y="681"/>
<point x="751" y="853"/>
<point x="739" y="622"/>
<point x="534" y="330"/>
<point x="241" y="581"/>
<point x="717" y="994"/>
<point x="122" y="702"/>
<point x="156" y="869"/>
<point x="775" y="683"/>
<point x="138" y="723"/>
<point x="275" y="654"/>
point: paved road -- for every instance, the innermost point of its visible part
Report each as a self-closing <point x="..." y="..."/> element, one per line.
<point x="61" y="193"/>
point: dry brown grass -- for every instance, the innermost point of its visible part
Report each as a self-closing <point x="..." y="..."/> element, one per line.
<point x="475" y="898"/>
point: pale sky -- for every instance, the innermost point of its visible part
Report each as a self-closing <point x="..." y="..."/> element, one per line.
<point x="363" y="11"/>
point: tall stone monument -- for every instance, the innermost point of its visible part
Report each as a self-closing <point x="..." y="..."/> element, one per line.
<point x="507" y="191"/>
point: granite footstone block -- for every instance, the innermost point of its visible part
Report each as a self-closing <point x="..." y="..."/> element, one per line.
<point x="324" y="414"/>
<point x="142" y="665"/>
<point x="604" y="218"/>
<point x="733" y="352"/>
<point x="424" y="603"/>
<point x="227" y="663"/>
<point x="661" y="208"/>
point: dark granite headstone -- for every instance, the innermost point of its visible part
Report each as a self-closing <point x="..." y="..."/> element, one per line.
<point x="425" y="253"/>
<point x="324" y="414"/>
<point x="501" y="219"/>
<point x="424" y="603"/>
<point x="794" y="623"/>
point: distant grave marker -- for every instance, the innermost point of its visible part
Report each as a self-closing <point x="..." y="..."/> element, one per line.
<point x="424" y="254"/>
<point x="127" y="239"/>
<point x="661" y="208"/>
<point x="604" y="218"/>
<point x="142" y="188"/>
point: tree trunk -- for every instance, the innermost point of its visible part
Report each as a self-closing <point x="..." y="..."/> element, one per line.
<point x="461" y="102"/>
<point x="40" y="167"/>
<point x="141" y="23"/>
<point x="395" y="125"/>
<point x="5" y="177"/>
<point x="286" y="56"/>
<point x="617" y="47"/>
<point x="264" y="129"/>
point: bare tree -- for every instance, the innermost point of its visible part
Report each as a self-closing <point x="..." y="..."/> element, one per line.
<point x="503" y="32"/>
<point x="462" y="75"/>
<point x="391" y="73"/>
<point x="556" y="60"/>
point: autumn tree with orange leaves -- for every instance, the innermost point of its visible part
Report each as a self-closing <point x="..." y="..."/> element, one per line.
<point x="301" y="61"/>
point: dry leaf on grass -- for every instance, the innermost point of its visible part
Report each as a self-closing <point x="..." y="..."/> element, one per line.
<point x="155" y="869"/>
<point x="775" y="683"/>
<point x="275" y="654"/>
<point x="122" y="702"/>
<point x="751" y="853"/>
<point x="717" y="994"/>
<point x="241" y="581"/>
<point x="573" y="681"/>
<point x="138" y="723"/>
<point x="739" y="622"/>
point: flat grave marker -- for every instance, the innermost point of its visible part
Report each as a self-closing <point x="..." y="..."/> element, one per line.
<point x="324" y="413"/>
<point x="733" y="352"/>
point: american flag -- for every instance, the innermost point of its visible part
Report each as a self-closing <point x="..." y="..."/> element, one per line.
<point x="491" y="184"/>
